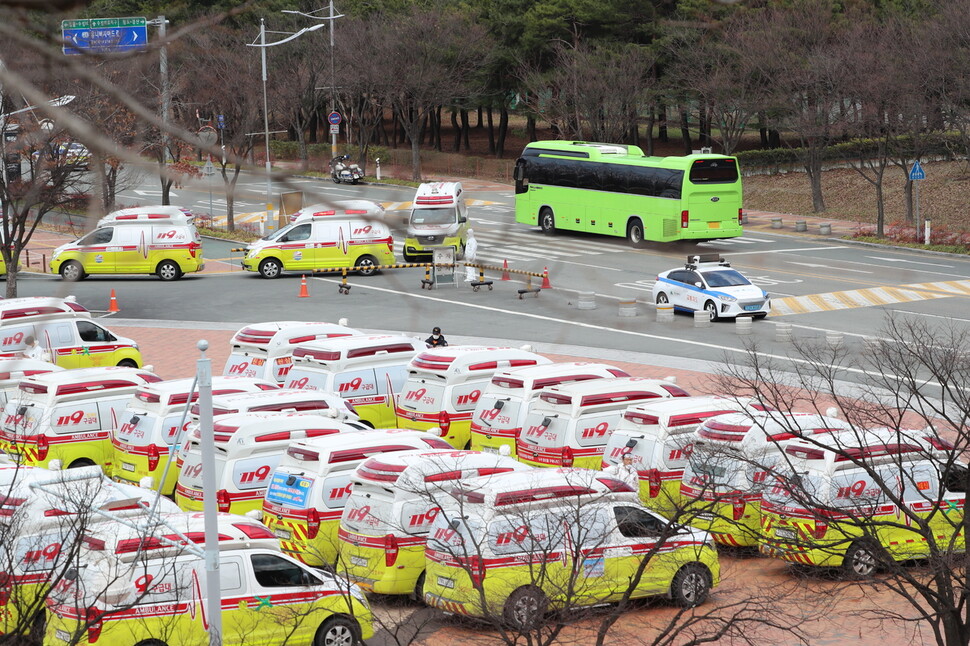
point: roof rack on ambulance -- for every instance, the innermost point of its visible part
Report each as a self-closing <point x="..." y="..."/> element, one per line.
<point x="695" y="260"/>
<point x="149" y="214"/>
<point x="438" y="194"/>
<point x="340" y="208"/>
<point x="458" y="359"/>
<point x="279" y="333"/>
<point x="15" y="310"/>
<point x="540" y="486"/>
<point x="874" y="446"/>
<point x="340" y="349"/>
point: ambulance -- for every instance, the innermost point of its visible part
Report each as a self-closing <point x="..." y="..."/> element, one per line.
<point x="322" y="241"/>
<point x="248" y="447"/>
<point x="857" y="503"/>
<point x="147" y="586"/>
<point x="350" y="209"/>
<point x="43" y="511"/>
<point x="444" y="386"/>
<point x="150" y="428"/>
<point x="265" y="350"/>
<point x="734" y="458"/>
<point x="439" y="219"/>
<point x="511" y="547"/>
<point x="570" y="424"/>
<point x="505" y="404"/>
<point x="64" y="331"/>
<point x="156" y="240"/>
<point x="659" y="435"/>
<point x="367" y="370"/>
<point x="13" y="371"/>
<point x="311" y="484"/>
<point x="393" y="501"/>
<point x="66" y="417"/>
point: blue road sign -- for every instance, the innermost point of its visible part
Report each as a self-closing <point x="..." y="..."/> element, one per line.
<point x="917" y="172"/>
<point x="221" y="121"/>
<point x="103" y="35"/>
<point x="334" y="118"/>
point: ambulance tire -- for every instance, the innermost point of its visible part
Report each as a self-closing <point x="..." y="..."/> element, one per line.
<point x="338" y="631"/>
<point x="270" y="268"/>
<point x="634" y="233"/>
<point x="861" y="560"/>
<point x="151" y="642"/>
<point x="80" y="463"/>
<point x="127" y="363"/>
<point x="547" y="221"/>
<point x="168" y="270"/>
<point x="365" y="265"/>
<point x="72" y="271"/>
<point x="418" y="593"/>
<point x="525" y="608"/>
<point x="691" y="585"/>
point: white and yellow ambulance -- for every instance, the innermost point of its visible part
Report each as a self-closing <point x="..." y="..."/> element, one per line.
<point x="151" y="427"/>
<point x="511" y="547"/>
<point x="503" y="407"/>
<point x="248" y="448"/>
<point x="348" y="209"/>
<point x="366" y="370"/>
<point x="147" y="585"/>
<point x="64" y="331"/>
<point x="570" y="424"/>
<point x="734" y="459"/>
<point x="439" y="218"/>
<point x="265" y="350"/>
<point x="142" y="240"/>
<point x="66" y="417"/>
<point x="444" y="386"/>
<point x="311" y="484"/>
<point x="870" y="497"/>
<point x="394" y="499"/>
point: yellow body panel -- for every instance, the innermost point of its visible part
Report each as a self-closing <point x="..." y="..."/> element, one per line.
<point x="132" y="467"/>
<point x="62" y="447"/>
<point x="129" y="262"/>
<point x="366" y="565"/>
<point x="322" y="258"/>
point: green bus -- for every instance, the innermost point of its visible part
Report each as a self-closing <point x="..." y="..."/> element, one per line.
<point x="616" y="190"/>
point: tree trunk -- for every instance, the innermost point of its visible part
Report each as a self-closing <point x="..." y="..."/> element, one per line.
<point x="685" y="132"/>
<point x="908" y="197"/>
<point x="650" y="122"/>
<point x="530" y="128"/>
<point x="416" y="156"/>
<point x="503" y="129"/>
<point x="437" y="128"/>
<point x="662" y="135"/>
<point x="454" y="124"/>
<point x="465" y="128"/>
<point x="491" y="133"/>
<point x="479" y="124"/>
<point x="11" y="279"/>
<point x="813" y="167"/>
<point x="880" y="211"/>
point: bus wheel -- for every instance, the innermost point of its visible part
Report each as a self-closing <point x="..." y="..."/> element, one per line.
<point x="72" y="271"/>
<point x="270" y="268"/>
<point x="366" y="265"/>
<point x="547" y="221"/>
<point x="634" y="233"/>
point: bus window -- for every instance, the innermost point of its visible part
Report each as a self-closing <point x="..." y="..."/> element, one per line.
<point x="713" y="171"/>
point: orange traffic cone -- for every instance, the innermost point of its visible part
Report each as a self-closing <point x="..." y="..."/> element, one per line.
<point x="113" y="305"/>
<point x="303" y="290"/>
<point x="505" y="270"/>
<point x="545" y="278"/>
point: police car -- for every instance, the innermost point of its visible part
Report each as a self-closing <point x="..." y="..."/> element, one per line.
<point x="708" y="283"/>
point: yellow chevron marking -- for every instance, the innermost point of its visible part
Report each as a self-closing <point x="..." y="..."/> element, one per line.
<point x="873" y="296"/>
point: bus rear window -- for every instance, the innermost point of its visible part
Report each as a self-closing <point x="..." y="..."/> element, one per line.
<point x="714" y="171"/>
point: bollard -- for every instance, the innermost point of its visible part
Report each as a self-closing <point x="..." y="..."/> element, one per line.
<point x="587" y="301"/>
<point x="27" y="257"/>
<point x="702" y="318"/>
<point x="783" y="332"/>
<point x="834" y="339"/>
<point x="43" y="261"/>
<point x="665" y="312"/>
<point x="825" y="229"/>
<point x="628" y="307"/>
<point x="742" y="325"/>
<point x="776" y="223"/>
<point x="800" y="225"/>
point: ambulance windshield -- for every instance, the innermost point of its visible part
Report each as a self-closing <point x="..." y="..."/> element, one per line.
<point x="425" y="217"/>
<point x="276" y="234"/>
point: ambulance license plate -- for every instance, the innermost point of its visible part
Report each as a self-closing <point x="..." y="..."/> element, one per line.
<point x="490" y="449"/>
<point x="282" y="533"/>
<point x="62" y="635"/>
<point x="445" y="582"/>
<point x="785" y="533"/>
<point x="127" y="466"/>
<point x="359" y="561"/>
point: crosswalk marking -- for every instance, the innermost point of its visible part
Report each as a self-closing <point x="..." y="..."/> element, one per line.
<point x="869" y="297"/>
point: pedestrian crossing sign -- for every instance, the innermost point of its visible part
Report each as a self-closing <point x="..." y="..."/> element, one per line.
<point x="917" y="172"/>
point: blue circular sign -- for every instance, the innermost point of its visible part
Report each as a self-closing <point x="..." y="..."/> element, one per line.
<point x="334" y="118"/>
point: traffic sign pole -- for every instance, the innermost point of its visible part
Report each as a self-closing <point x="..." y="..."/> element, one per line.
<point x="916" y="174"/>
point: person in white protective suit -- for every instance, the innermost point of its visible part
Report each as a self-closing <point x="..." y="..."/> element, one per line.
<point x="625" y="471"/>
<point x="471" y="249"/>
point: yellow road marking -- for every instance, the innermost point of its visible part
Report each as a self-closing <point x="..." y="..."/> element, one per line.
<point x="869" y="297"/>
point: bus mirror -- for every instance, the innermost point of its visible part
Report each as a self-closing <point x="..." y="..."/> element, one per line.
<point x="518" y="172"/>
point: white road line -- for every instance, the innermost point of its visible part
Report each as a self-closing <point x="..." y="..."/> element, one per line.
<point x="914" y="262"/>
<point x="745" y="253"/>
<point x="927" y="314"/>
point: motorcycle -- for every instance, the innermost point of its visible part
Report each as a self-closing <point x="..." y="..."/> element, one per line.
<point x="342" y="169"/>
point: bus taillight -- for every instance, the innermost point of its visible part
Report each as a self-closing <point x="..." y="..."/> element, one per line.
<point x="740" y="216"/>
<point x="684" y="219"/>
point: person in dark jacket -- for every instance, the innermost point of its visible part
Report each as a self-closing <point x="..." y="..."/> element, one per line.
<point x="437" y="339"/>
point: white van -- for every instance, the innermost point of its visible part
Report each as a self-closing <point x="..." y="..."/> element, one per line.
<point x="311" y="484"/>
<point x="350" y="209"/>
<point x="265" y="350"/>
<point x="149" y="427"/>
<point x="66" y="417"/>
<point x="13" y="371"/>
<point x="64" y="331"/>
<point x="322" y="242"/>
<point x="248" y="448"/>
<point x="570" y="424"/>
<point x="367" y="371"/>
<point x="444" y="386"/>
<point x="137" y="584"/>
<point x="142" y="240"/>
<point x="439" y="219"/>
<point x="659" y="435"/>
<point x="394" y="499"/>
<point x="735" y="457"/>
<point x="510" y="547"/>
<point x="503" y="407"/>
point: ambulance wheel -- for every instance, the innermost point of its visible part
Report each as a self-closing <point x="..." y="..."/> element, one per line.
<point x="151" y="642"/>
<point x="525" y="608"/>
<point x="72" y="271"/>
<point x="127" y="363"/>
<point x="366" y="265"/>
<point x="168" y="270"/>
<point x="691" y="585"/>
<point x="418" y="594"/>
<point x="711" y="308"/>
<point x="338" y="631"/>
<point x="270" y="268"/>
<point x="83" y="462"/>
<point x="861" y="560"/>
<point x="634" y="233"/>
<point x="547" y="221"/>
